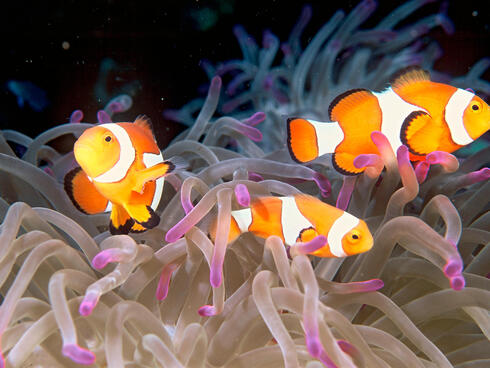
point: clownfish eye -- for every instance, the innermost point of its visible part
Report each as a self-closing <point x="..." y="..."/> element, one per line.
<point x="475" y="106"/>
<point x="108" y="138"/>
<point x="354" y="236"/>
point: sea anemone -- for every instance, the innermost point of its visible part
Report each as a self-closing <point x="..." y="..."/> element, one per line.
<point x="169" y="297"/>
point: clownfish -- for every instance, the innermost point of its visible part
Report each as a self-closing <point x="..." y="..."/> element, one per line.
<point x="121" y="170"/>
<point x="414" y="111"/>
<point x="300" y="218"/>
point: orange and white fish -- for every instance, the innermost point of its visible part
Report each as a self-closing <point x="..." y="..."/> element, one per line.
<point x="122" y="171"/>
<point x="301" y="218"/>
<point x="421" y="114"/>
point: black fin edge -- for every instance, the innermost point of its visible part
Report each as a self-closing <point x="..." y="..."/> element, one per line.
<point x="123" y="229"/>
<point x="67" y="183"/>
<point x="340" y="97"/>
<point x="404" y="128"/>
<point x="288" y="140"/>
<point x="153" y="221"/>
<point x="341" y="170"/>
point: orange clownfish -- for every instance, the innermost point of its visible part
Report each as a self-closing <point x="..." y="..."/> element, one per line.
<point x="122" y="171"/>
<point x="421" y="114"/>
<point x="301" y="218"/>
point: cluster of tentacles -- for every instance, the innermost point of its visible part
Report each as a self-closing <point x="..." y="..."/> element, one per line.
<point x="73" y="294"/>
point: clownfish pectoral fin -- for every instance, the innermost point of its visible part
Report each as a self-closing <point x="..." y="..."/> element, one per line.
<point x="308" y="139"/>
<point x="419" y="133"/>
<point x="343" y="162"/>
<point x="307" y="235"/>
<point x="121" y="222"/>
<point x="143" y="215"/>
<point x="83" y="194"/>
<point x="152" y="173"/>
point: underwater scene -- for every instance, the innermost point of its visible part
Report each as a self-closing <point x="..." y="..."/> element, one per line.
<point x="230" y="183"/>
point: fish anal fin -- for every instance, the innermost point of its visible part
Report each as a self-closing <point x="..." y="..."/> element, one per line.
<point x="343" y="162"/>
<point x="347" y="102"/>
<point x="82" y="192"/>
<point x="302" y="140"/>
<point x="419" y="133"/>
<point x="121" y="222"/>
<point x="408" y="76"/>
<point x="142" y="214"/>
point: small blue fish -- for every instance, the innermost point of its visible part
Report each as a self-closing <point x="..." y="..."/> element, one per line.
<point x="28" y="92"/>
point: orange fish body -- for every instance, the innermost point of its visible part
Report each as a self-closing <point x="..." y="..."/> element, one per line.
<point x="122" y="170"/>
<point x="424" y="115"/>
<point x="301" y="218"/>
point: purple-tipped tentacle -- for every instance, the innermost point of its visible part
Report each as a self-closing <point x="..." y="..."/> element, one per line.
<point x="421" y="171"/>
<point x="107" y="256"/>
<point x="254" y="176"/>
<point x="103" y="117"/>
<point x="207" y="311"/>
<point x="311" y="246"/>
<point x="448" y="161"/>
<point x="242" y="195"/>
<point x="346" y="192"/>
<point x="78" y="354"/>
<point x="323" y="184"/>
<point x="88" y="303"/>
<point x="164" y="282"/>
<point x="252" y="133"/>
<point x="76" y="116"/>
<point x="255" y="119"/>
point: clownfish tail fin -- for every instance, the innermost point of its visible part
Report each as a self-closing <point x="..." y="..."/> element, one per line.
<point x="309" y="139"/>
<point x="121" y="222"/>
<point x="234" y="233"/>
<point x="143" y="215"/>
<point x="83" y="194"/>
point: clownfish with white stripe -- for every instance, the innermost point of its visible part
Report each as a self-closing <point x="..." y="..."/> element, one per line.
<point x="414" y="111"/>
<point x="301" y="218"/>
<point x="121" y="170"/>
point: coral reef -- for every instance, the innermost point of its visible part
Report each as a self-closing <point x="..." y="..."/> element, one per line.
<point x="73" y="294"/>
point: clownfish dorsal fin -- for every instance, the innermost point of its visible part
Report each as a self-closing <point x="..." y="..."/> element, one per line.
<point x="144" y="123"/>
<point x="409" y="75"/>
<point x="346" y="102"/>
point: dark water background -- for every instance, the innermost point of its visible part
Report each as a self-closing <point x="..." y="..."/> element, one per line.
<point x="59" y="46"/>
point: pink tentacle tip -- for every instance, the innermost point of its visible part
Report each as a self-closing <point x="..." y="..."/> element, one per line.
<point x="255" y="119"/>
<point x="48" y="171"/>
<point x="2" y="360"/>
<point x="78" y="354"/>
<point x="421" y="171"/>
<point x="323" y="184"/>
<point x="88" y="304"/>
<point x="242" y="195"/>
<point x="103" y="258"/>
<point x="365" y="160"/>
<point x="252" y="133"/>
<point x="447" y="160"/>
<point x="254" y="176"/>
<point x="215" y="275"/>
<point x="76" y="116"/>
<point x="103" y="117"/>
<point x="480" y="175"/>
<point x="216" y="82"/>
<point x="346" y="346"/>
<point x="453" y="268"/>
<point x="311" y="246"/>
<point x="372" y="285"/>
<point x="207" y="311"/>
<point x="402" y="155"/>
<point x="457" y="282"/>
<point x="174" y="233"/>
<point x="164" y="282"/>
<point x="314" y="345"/>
